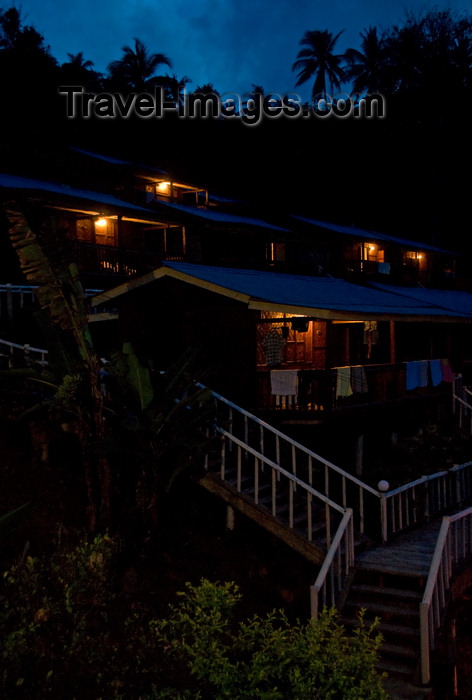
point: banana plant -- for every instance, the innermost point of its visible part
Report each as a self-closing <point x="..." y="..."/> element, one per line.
<point x="162" y="417"/>
<point x="62" y="299"/>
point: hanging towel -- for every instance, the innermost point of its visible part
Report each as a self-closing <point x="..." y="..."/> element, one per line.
<point x="284" y="382"/>
<point x="447" y="373"/>
<point x="412" y="376"/>
<point x="358" y="380"/>
<point x="423" y="366"/>
<point x="436" y="372"/>
<point x="343" y="382"/>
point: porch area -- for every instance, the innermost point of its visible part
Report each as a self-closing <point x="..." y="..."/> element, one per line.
<point x="317" y="391"/>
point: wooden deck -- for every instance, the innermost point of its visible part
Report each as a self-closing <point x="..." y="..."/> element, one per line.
<point x="409" y="554"/>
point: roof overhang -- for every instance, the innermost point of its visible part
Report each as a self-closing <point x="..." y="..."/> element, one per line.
<point x="61" y="197"/>
<point x="365" y="235"/>
<point x="315" y="297"/>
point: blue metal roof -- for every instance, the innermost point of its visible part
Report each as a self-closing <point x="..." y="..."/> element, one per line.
<point x="27" y="183"/>
<point x="320" y="297"/>
<point x="362" y="234"/>
<point x="222" y="217"/>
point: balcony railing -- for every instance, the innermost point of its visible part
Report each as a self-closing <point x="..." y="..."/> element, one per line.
<point x="391" y="273"/>
<point x="322" y="390"/>
<point x="95" y="259"/>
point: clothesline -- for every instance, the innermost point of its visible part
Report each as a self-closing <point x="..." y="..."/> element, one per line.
<point x="419" y="372"/>
<point x="352" y="379"/>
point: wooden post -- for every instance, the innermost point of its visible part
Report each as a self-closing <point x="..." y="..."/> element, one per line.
<point x="453" y="653"/>
<point x="392" y="343"/>
<point x="359" y="454"/>
<point x="9" y="302"/>
<point x="229" y="518"/>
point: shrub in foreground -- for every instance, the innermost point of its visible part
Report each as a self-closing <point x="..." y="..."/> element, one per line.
<point x="67" y="632"/>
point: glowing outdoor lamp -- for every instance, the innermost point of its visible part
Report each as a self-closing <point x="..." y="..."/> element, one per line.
<point x="163" y="187"/>
<point x="101" y="223"/>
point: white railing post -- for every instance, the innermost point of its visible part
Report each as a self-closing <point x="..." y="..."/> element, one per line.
<point x="9" y="302"/>
<point x="332" y="566"/>
<point x="424" y="644"/>
<point x="223" y="457"/>
<point x="383" y="517"/>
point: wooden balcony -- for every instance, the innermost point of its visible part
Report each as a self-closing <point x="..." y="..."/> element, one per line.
<point x="403" y="274"/>
<point x="319" y="391"/>
<point x="111" y="260"/>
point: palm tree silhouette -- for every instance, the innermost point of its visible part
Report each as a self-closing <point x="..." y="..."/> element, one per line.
<point x="174" y="87"/>
<point x="78" y="71"/>
<point x="318" y="60"/>
<point x="206" y="89"/>
<point x="77" y="60"/>
<point x="136" y="68"/>
<point x="368" y="68"/>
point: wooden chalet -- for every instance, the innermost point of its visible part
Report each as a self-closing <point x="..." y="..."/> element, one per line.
<point x="301" y="350"/>
<point x="122" y="219"/>
<point x="295" y="318"/>
<point x="312" y="336"/>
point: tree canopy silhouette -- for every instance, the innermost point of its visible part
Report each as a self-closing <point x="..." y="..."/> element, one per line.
<point x="136" y="68"/>
<point x="318" y="60"/>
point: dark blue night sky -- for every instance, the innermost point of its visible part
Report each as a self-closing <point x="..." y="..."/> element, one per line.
<point x="231" y="44"/>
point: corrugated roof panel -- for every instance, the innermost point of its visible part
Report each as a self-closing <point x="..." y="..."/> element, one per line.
<point x="327" y="293"/>
<point x="362" y="234"/>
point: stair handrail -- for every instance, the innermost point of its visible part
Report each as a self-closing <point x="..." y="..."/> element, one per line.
<point x="11" y="291"/>
<point x="329" y="588"/>
<point x="410" y="507"/>
<point x="339" y="560"/>
<point x="273" y="465"/>
<point x="26" y="350"/>
<point x="406" y="511"/>
<point x="434" y="602"/>
<point x="30" y="288"/>
<point x="459" y="398"/>
<point x="365" y="488"/>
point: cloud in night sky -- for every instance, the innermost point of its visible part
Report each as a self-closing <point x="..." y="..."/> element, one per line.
<point x="229" y="43"/>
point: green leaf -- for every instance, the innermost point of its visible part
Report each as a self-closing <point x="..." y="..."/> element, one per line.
<point x="138" y="376"/>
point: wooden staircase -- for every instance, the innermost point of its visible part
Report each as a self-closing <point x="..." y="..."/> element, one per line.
<point x="394" y="600"/>
<point x="277" y="505"/>
<point x="389" y="582"/>
<point x="391" y="553"/>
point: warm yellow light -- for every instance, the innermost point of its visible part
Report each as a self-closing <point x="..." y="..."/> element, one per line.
<point x="101" y="223"/>
<point x="163" y="186"/>
<point x="372" y="247"/>
<point x="420" y="256"/>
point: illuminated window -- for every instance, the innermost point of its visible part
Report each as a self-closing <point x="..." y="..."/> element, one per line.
<point x="373" y="252"/>
<point x="276" y="252"/>
<point x="414" y="255"/>
<point x="106" y="231"/>
<point x="163" y="188"/>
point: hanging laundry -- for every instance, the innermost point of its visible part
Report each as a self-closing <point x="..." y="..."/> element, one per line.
<point x="423" y="376"/>
<point x="383" y="268"/>
<point x="371" y="336"/>
<point x="343" y="382"/>
<point x="358" y="380"/>
<point x="447" y="373"/>
<point x="412" y="377"/>
<point x="436" y="372"/>
<point x="417" y="374"/>
<point x="284" y="382"/>
<point x="273" y="344"/>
